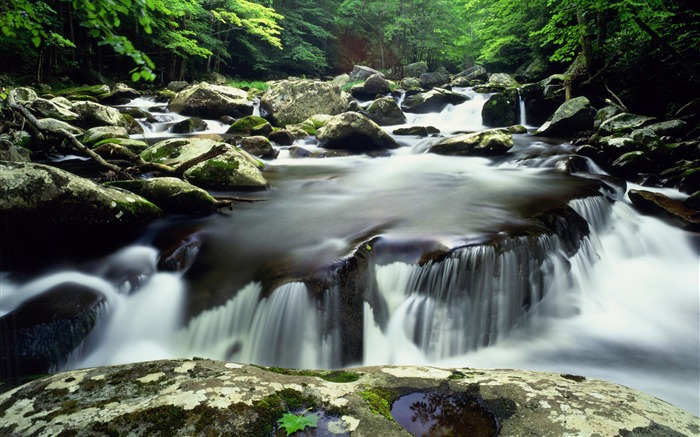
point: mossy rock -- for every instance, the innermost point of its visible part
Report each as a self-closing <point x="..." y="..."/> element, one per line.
<point x="95" y="135"/>
<point x="233" y="170"/>
<point x="492" y="142"/>
<point x="172" y="195"/>
<point x="136" y="146"/>
<point x="246" y="125"/>
<point x="90" y="92"/>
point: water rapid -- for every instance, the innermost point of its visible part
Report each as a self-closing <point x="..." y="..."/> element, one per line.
<point x="413" y="258"/>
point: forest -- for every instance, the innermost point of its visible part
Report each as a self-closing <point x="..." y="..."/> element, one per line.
<point x="631" y="47"/>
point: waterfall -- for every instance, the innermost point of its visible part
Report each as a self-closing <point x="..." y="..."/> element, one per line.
<point x="521" y="109"/>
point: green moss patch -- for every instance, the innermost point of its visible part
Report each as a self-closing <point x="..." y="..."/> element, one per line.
<point x="379" y="400"/>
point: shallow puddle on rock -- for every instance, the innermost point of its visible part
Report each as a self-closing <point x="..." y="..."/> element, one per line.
<point x="437" y="414"/>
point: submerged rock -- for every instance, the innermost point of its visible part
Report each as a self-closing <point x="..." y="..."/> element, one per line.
<point x="205" y="397"/>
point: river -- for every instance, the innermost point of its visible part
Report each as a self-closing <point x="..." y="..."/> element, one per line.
<point x="624" y="307"/>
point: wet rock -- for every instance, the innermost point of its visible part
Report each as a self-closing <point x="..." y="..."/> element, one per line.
<point x="662" y="206"/>
<point x="311" y="125"/>
<point x="421" y="131"/>
<point x="632" y="164"/>
<point x="212" y="101"/>
<point x="259" y="146"/>
<point x="120" y="92"/>
<point x="354" y="132"/>
<point x="135" y="146"/>
<point x="180" y="255"/>
<point x="573" y="116"/>
<point x="293" y="101"/>
<point x="53" y="126"/>
<point x="38" y="335"/>
<point x="434" y="100"/>
<point x="433" y="79"/>
<point x="282" y="137"/>
<point x="498" y="111"/>
<point x="491" y="142"/>
<point x="624" y="123"/>
<point x="94" y="114"/>
<point x="205" y="397"/>
<point x="114" y="152"/>
<point x="410" y="84"/>
<point x="476" y="72"/>
<point x="604" y="114"/>
<point x="189" y="125"/>
<point x="502" y="81"/>
<point x="170" y="194"/>
<point x="385" y="112"/>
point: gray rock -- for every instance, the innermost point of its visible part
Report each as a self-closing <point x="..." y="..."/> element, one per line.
<point x="376" y="84"/>
<point x="498" y="111"/>
<point x="434" y="100"/>
<point x="410" y="84"/>
<point x="282" y="137"/>
<point x="55" y="108"/>
<point x="361" y="72"/>
<point x="94" y="114"/>
<point x="502" y="81"/>
<point x="632" y="164"/>
<point x="53" y="126"/>
<point x="476" y="72"/>
<point x="433" y="79"/>
<point x="177" y="85"/>
<point x="11" y="148"/>
<point x="421" y="131"/>
<point x="189" y="125"/>
<point x="491" y="142"/>
<point x="415" y="69"/>
<point x="205" y="397"/>
<point x="624" y="123"/>
<point x="293" y="101"/>
<point x="354" y="132"/>
<point x="385" y="112"/>
<point x="573" y="116"/>
<point x="248" y="124"/>
<point x="605" y="113"/>
<point x="259" y="146"/>
<point x="212" y="101"/>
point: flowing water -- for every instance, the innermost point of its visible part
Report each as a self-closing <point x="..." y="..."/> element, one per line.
<point x="621" y="305"/>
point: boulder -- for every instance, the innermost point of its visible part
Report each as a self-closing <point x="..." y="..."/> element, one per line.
<point x="434" y="100"/>
<point x="385" y="112"/>
<point x="120" y="93"/>
<point x="207" y="397"/>
<point x="189" y="125"/>
<point x="433" y="79"/>
<point x="410" y="84"/>
<point x="248" y="124"/>
<point x="115" y="152"/>
<point x="415" y="69"/>
<point x="53" y="207"/>
<point x="53" y="126"/>
<point x="497" y="111"/>
<point x="502" y="81"/>
<point x="93" y="114"/>
<point x="491" y="142"/>
<point x="259" y="146"/>
<point x="312" y="124"/>
<point x="135" y="146"/>
<point x="632" y="165"/>
<point x="360" y="72"/>
<point x="476" y="72"/>
<point x="293" y="101"/>
<point x="11" y="148"/>
<point x="92" y="92"/>
<point x="605" y="113"/>
<point x="233" y="170"/>
<point x="421" y="131"/>
<point x="374" y="86"/>
<point x="573" y="116"/>
<point x="354" y="132"/>
<point x="23" y="95"/>
<point x="624" y="123"/>
<point x="54" y="108"/>
<point x="662" y="206"/>
<point x="177" y="85"/>
<point x="170" y="194"/>
<point x="673" y="128"/>
<point x="40" y="333"/>
<point x="282" y="137"/>
<point x="212" y="101"/>
<point x="96" y="134"/>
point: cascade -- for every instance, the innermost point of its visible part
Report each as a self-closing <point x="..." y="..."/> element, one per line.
<point x="620" y="307"/>
<point x="521" y="109"/>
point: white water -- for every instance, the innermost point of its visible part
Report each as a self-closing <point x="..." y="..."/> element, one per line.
<point x="521" y="110"/>
<point x="627" y="311"/>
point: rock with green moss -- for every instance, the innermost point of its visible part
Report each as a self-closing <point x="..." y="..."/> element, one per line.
<point x="205" y="397"/>
<point x="189" y="125"/>
<point x="172" y="195"/>
<point x="573" y="116"/>
<point x="78" y="93"/>
<point x="49" y="204"/>
<point x="233" y="170"/>
<point x="259" y="146"/>
<point x="312" y="124"/>
<point x="53" y="126"/>
<point x="95" y="135"/>
<point x="246" y="125"/>
<point x="11" y="148"/>
<point x="502" y="81"/>
<point x="354" y="132"/>
<point x="136" y="146"/>
<point x="492" y="142"/>
<point x="54" y="108"/>
<point x="293" y="101"/>
<point x="24" y="95"/>
<point x="624" y="123"/>
<point x="498" y="111"/>
<point x="385" y="111"/>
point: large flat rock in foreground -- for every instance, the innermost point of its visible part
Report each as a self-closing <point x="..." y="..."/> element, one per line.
<point x="204" y="397"/>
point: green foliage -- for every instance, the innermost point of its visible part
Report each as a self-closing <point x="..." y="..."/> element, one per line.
<point x="292" y="423"/>
<point x="249" y="84"/>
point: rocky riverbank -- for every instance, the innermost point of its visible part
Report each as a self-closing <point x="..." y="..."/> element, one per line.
<point x="204" y="397"/>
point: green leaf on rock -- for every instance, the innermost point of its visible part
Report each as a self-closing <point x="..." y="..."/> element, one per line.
<point x="293" y="422"/>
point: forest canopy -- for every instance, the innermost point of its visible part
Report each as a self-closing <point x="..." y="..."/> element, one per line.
<point x="164" y="40"/>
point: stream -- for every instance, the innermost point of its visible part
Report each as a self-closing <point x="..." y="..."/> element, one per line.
<point x="622" y="306"/>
